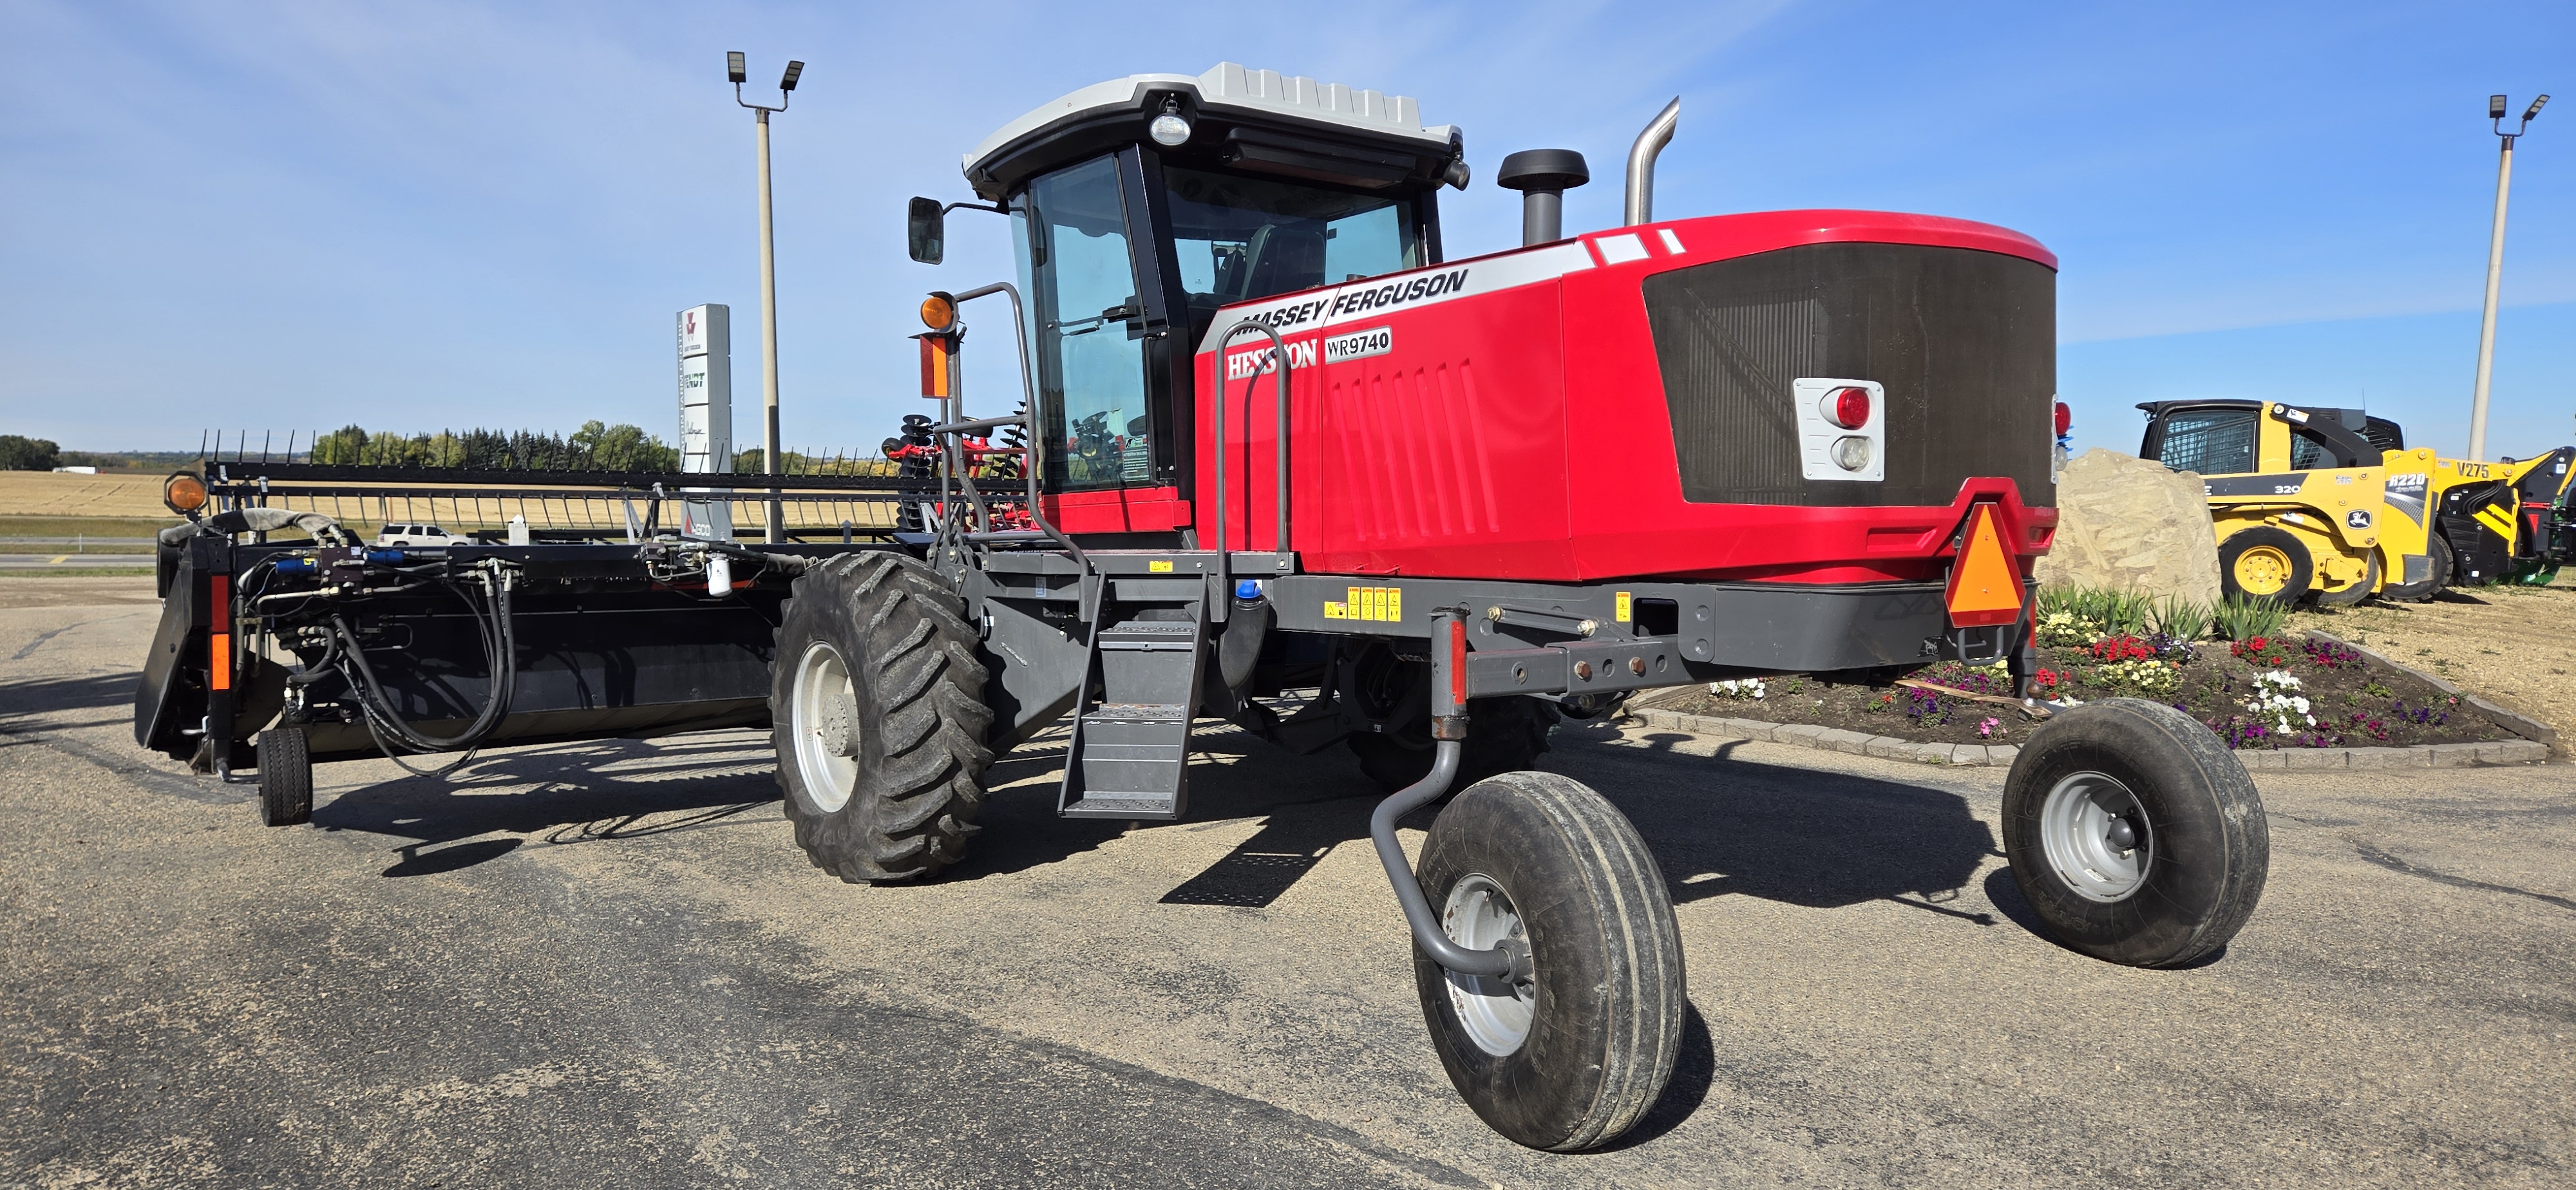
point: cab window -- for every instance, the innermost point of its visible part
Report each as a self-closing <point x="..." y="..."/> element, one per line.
<point x="1240" y="238"/>
<point x="2308" y="454"/>
<point x="1086" y="327"/>
<point x="2209" y="441"/>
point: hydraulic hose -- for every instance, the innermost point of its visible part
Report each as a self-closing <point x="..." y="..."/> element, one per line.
<point x="500" y="653"/>
<point x="263" y="520"/>
<point x="1240" y="647"/>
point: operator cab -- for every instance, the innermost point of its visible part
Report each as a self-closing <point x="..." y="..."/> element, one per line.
<point x="1140" y="207"/>
<point x="2219" y="437"/>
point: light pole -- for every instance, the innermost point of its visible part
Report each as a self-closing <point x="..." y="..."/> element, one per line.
<point x="777" y="531"/>
<point x="2495" y="270"/>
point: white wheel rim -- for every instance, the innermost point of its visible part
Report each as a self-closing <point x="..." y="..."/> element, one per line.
<point x="2082" y="827"/>
<point x="823" y="714"/>
<point x="1495" y="1012"/>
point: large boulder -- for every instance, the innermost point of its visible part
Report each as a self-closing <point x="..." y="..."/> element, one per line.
<point x="2132" y="525"/>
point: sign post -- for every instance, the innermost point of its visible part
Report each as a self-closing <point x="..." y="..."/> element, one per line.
<point x="706" y="415"/>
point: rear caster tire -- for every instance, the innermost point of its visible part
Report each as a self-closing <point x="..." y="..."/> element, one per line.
<point x="1573" y="1058"/>
<point x="2134" y="834"/>
<point x="285" y="777"/>
<point x="1504" y="735"/>
<point x="877" y="715"/>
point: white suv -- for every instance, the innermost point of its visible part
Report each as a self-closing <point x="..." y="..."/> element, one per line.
<point x="392" y="535"/>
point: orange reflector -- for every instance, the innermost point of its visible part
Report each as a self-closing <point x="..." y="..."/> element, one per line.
<point x="219" y="661"/>
<point x="934" y="365"/>
<point x="1985" y="586"/>
<point x="1457" y="665"/>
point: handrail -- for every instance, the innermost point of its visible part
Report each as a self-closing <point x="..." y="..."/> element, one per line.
<point x="1035" y="461"/>
<point x="1278" y="352"/>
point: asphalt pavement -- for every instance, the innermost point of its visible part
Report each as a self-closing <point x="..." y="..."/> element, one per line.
<point x="607" y="964"/>
<point x="70" y="560"/>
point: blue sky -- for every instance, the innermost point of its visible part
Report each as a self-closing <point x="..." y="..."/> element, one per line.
<point x="294" y="215"/>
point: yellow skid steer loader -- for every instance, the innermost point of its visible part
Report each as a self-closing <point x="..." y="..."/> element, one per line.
<point x="2331" y="501"/>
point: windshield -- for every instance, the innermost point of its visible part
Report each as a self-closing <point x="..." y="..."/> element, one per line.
<point x="1239" y="238"/>
<point x="1085" y="326"/>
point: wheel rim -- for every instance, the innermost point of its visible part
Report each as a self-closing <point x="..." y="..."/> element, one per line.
<point x="1495" y="1011"/>
<point x="824" y="714"/>
<point x="2263" y="570"/>
<point x="2097" y="837"/>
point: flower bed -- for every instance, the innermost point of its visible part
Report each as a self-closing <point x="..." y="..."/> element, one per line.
<point x="2277" y="691"/>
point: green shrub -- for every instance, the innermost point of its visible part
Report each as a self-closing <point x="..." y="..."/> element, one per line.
<point x="2180" y="618"/>
<point x="2240" y="618"/>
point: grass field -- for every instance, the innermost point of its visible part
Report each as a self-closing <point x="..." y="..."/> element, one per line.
<point x="47" y="494"/>
<point x="7" y="573"/>
<point x="92" y="526"/>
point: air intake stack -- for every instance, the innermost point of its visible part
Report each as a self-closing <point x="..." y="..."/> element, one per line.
<point x="1542" y="176"/>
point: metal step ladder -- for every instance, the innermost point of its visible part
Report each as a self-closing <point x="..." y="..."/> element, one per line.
<point x="1130" y="752"/>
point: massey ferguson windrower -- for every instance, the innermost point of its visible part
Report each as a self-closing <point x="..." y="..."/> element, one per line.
<point x="1287" y="445"/>
<point x="1285" y="463"/>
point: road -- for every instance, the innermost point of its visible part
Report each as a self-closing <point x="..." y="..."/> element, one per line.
<point x="69" y="560"/>
<point x="608" y="965"/>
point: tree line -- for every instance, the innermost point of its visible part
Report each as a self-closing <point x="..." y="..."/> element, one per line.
<point x="596" y="446"/>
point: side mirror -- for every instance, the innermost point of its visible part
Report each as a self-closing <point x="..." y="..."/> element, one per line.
<point x="925" y="230"/>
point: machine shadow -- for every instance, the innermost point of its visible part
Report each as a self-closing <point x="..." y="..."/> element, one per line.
<point x="26" y="704"/>
<point x="1717" y="826"/>
<point x="557" y="795"/>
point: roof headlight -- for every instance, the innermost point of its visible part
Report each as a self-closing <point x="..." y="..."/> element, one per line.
<point x="1169" y="130"/>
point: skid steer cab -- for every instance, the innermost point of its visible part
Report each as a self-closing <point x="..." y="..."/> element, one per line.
<point x="2330" y="504"/>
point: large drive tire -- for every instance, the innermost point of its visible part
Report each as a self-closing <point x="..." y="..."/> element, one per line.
<point x="2134" y="834"/>
<point x="2440" y="552"/>
<point x="1504" y="735"/>
<point x="2264" y="563"/>
<point x="1573" y="1058"/>
<point x="877" y="715"/>
<point x="285" y="777"/>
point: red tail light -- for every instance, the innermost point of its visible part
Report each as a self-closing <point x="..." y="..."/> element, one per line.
<point x="1848" y="408"/>
<point x="2065" y="419"/>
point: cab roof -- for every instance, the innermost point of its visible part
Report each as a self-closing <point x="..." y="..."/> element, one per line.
<point x="1365" y="138"/>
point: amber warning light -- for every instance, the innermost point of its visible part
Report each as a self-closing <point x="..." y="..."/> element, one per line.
<point x="1985" y="586"/>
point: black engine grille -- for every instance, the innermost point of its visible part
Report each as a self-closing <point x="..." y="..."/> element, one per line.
<point x="1964" y="341"/>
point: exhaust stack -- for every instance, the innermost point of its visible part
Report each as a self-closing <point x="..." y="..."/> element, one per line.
<point x="1641" y="162"/>
<point x="1542" y="176"/>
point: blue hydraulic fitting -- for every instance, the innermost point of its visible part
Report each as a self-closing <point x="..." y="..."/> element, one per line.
<point x="384" y="557"/>
<point x="296" y="566"/>
<point x="1248" y="589"/>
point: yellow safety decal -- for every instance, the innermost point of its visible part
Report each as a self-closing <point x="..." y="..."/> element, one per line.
<point x="1622" y="615"/>
<point x="1383" y="604"/>
<point x="1159" y="566"/>
<point x="2497" y="521"/>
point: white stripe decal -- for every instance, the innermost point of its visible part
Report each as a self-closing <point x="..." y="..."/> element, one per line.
<point x="1620" y="249"/>
<point x="1672" y="243"/>
<point x="1374" y="298"/>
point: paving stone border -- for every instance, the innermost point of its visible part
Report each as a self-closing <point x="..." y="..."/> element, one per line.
<point x="1835" y="739"/>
